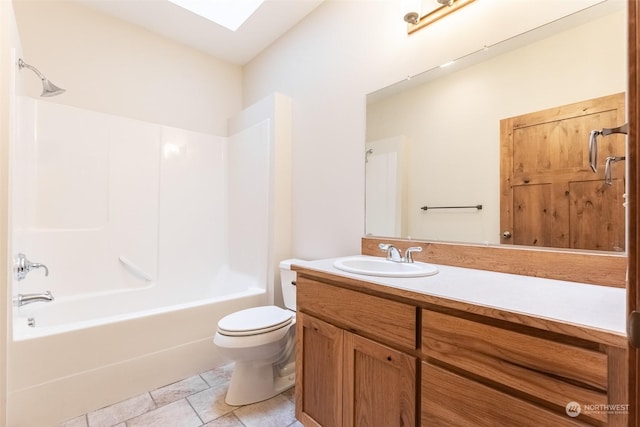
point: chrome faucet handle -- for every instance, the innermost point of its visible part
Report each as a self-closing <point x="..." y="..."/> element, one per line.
<point x="22" y="266"/>
<point x="407" y="253"/>
<point x="393" y="253"/>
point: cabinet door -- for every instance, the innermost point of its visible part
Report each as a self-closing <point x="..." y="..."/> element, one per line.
<point x="450" y="400"/>
<point x="379" y="384"/>
<point x="318" y="372"/>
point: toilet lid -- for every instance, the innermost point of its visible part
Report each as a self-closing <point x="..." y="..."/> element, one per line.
<point x="256" y="320"/>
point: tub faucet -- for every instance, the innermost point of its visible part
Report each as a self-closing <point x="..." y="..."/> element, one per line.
<point x="23" y="299"/>
<point x="22" y="266"/>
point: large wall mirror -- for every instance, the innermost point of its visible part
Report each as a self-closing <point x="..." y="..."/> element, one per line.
<point x="435" y="140"/>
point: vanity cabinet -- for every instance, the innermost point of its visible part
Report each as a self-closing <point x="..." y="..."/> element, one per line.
<point x="346" y="373"/>
<point x="509" y="375"/>
<point x="379" y="356"/>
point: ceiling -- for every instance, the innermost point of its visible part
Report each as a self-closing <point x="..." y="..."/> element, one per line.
<point x="270" y="21"/>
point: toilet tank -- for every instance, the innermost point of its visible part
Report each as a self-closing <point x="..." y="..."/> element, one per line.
<point x="286" y="277"/>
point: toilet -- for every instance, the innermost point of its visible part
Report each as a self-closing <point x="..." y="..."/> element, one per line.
<point x="261" y="341"/>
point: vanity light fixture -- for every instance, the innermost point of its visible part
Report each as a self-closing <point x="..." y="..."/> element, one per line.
<point x="416" y="20"/>
<point x="411" y="10"/>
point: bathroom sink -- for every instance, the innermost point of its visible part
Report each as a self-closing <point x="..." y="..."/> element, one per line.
<point x="372" y="266"/>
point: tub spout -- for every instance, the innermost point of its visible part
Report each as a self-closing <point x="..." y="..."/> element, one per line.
<point x="22" y="299"/>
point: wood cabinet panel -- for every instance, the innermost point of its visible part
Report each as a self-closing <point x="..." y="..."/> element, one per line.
<point x="451" y="400"/>
<point x="380" y="384"/>
<point x="319" y="370"/>
<point x="391" y="321"/>
<point x="547" y="370"/>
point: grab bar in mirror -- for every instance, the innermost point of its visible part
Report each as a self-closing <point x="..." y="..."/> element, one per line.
<point x="426" y="208"/>
<point x="593" y="142"/>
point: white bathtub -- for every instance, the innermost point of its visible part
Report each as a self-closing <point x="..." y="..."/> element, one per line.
<point x="88" y="352"/>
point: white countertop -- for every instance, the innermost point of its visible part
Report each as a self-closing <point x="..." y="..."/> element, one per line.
<point x="600" y="307"/>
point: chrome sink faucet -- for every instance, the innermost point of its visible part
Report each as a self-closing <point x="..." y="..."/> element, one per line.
<point x="394" y="254"/>
<point x="23" y="299"/>
<point x="408" y="257"/>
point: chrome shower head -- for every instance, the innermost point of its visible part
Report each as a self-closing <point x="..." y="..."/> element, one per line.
<point x="48" y="88"/>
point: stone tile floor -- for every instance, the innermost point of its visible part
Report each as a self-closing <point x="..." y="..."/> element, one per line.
<point x="192" y="402"/>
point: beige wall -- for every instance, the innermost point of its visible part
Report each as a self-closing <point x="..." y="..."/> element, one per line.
<point x="111" y="66"/>
<point x="8" y="43"/>
<point x="329" y="62"/>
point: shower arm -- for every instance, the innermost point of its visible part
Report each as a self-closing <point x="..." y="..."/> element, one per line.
<point x="22" y="64"/>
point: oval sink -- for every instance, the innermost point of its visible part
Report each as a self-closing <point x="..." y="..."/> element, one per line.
<point x="372" y="266"/>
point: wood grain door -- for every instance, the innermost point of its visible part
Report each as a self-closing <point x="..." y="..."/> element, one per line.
<point x="379" y="385"/>
<point x="319" y="370"/>
<point x="549" y="194"/>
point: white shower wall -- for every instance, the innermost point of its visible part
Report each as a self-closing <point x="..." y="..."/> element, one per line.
<point x="91" y="189"/>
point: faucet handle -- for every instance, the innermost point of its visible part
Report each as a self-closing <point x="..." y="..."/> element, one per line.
<point x="22" y="266"/>
<point x="407" y="254"/>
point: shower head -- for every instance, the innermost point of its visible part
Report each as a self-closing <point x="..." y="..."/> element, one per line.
<point x="48" y="88"/>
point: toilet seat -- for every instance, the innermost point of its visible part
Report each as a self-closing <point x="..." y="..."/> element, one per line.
<point x="255" y="321"/>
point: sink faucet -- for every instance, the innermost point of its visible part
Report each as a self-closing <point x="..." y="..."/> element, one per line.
<point x="393" y="253"/>
<point x="407" y="254"/>
<point x="22" y="299"/>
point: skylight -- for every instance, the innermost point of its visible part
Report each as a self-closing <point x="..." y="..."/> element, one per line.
<point x="230" y="14"/>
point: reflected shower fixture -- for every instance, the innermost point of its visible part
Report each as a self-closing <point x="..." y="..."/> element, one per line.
<point x="48" y="88"/>
<point x="445" y="2"/>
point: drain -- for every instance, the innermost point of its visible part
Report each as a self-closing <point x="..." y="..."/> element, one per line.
<point x="31" y="322"/>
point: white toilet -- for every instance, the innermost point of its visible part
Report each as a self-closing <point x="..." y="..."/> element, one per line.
<point x="261" y="341"/>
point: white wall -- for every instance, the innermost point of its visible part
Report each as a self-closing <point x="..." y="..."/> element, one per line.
<point x="329" y="62"/>
<point x="453" y="123"/>
<point x="113" y="67"/>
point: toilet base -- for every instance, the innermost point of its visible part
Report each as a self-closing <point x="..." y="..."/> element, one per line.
<point x="254" y="382"/>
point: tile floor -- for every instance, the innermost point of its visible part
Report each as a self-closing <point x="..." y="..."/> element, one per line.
<point x="192" y="402"/>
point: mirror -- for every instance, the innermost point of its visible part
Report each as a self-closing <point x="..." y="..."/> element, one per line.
<point x="434" y="140"/>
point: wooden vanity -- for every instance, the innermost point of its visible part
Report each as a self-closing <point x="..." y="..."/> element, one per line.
<point x="377" y="354"/>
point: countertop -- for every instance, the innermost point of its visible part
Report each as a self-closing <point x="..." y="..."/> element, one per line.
<point x="588" y="305"/>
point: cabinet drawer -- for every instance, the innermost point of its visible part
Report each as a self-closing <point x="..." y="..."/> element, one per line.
<point x="449" y="400"/>
<point x="390" y="321"/>
<point x="548" y="370"/>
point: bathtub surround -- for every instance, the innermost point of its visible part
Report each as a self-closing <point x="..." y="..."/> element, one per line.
<point x="177" y="230"/>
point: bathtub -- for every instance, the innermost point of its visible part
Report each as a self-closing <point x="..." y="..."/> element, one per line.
<point x="87" y="352"/>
